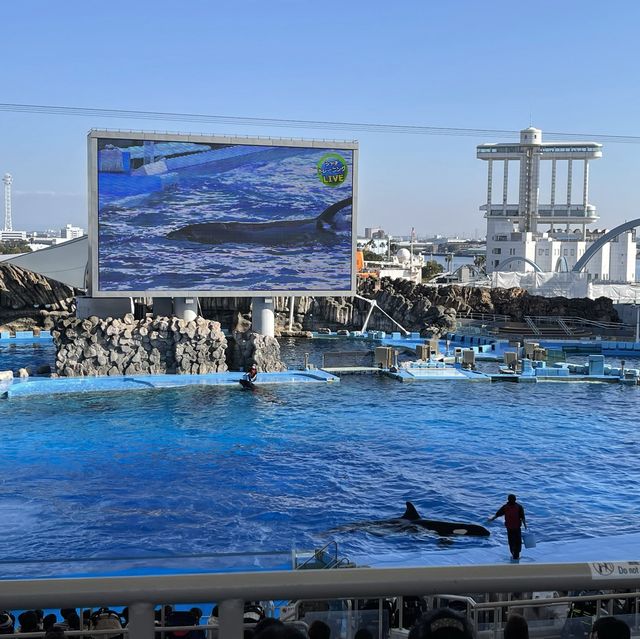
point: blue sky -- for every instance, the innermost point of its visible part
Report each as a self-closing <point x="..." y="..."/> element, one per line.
<point x="563" y="66"/>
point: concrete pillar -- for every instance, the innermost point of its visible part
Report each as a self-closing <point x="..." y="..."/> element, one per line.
<point x="141" y="621"/>
<point x="292" y="301"/>
<point x="186" y="308"/>
<point x="263" y="316"/>
<point x="585" y="186"/>
<point x="230" y="619"/>
<point x="569" y="181"/>
<point x="489" y="185"/>
<point x="553" y="185"/>
<point x="505" y="187"/>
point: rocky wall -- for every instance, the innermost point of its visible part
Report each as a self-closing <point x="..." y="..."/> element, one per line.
<point x="247" y="348"/>
<point x="127" y="346"/>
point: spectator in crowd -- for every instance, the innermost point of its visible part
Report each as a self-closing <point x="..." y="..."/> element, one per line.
<point x="54" y="632"/>
<point x="7" y="623"/>
<point x="442" y="623"/>
<point x="49" y="622"/>
<point x="277" y="631"/>
<point x="197" y="613"/>
<point x="71" y="619"/>
<point x="265" y="623"/>
<point x="28" y="621"/>
<point x="610" y="628"/>
<point x="319" y="630"/>
<point x="162" y="613"/>
<point x="516" y="627"/>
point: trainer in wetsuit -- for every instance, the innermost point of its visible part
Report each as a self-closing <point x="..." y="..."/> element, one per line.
<point x="514" y="519"/>
<point x="252" y="374"/>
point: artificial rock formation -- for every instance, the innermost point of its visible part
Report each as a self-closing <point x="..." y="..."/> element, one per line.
<point x="22" y="289"/>
<point x="127" y="346"/>
<point x="430" y="310"/>
<point x="250" y="348"/>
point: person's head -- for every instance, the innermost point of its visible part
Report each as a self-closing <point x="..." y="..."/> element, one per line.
<point x="253" y="368"/>
<point x="197" y="614"/>
<point x="319" y="630"/>
<point x="6" y="623"/>
<point x="442" y="623"/>
<point x="511" y="498"/>
<point x="49" y="621"/>
<point x="610" y="628"/>
<point x="265" y="623"/>
<point x="55" y="632"/>
<point x="516" y="627"/>
<point x="28" y="621"/>
<point x="70" y="615"/>
<point x="279" y="631"/>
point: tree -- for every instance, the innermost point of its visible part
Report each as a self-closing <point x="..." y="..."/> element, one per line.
<point x="479" y="261"/>
<point x="370" y="256"/>
<point x="13" y="248"/>
<point x="430" y="269"/>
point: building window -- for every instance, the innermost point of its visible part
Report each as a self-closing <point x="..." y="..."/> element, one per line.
<point x="573" y="252"/>
<point x="496" y="262"/>
<point x="546" y="251"/>
<point x="540" y="251"/>
<point x="497" y="251"/>
<point x="566" y="251"/>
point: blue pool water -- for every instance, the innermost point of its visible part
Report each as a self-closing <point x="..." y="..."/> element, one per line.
<point x="201" y="470"/>
<point x="16" y="354"/>
<point x="208" y="470"/>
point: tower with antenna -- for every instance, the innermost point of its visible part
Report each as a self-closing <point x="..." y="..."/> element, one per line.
<point x="8" y="224"/>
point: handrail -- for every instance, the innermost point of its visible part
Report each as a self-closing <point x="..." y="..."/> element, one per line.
<point x="572" y="319"/>
<point x="230" y="590"/>
<point x="317" y="555"/>
<point x="532" y="325"/>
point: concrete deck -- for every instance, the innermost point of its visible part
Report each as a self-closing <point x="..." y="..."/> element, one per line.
<point x="65" y="385"/>
<point x="613" y="548"/>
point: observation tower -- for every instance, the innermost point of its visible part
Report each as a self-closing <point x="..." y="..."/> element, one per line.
<point x="545" y="229"/>
<point x="8" y="224"/>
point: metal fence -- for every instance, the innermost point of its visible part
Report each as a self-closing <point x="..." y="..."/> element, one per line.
<point x="231" y="590"/>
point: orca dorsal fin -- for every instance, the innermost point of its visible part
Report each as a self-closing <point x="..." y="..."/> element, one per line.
<point x="329" y="213"/>
<point x="410" y="512"/>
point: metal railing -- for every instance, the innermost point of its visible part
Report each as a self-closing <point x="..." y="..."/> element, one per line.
<point x="496" y="609"/>
<point x="231" y="590"/>
<point x="532" y="325"/>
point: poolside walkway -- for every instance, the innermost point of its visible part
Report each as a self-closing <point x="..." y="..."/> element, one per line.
<point x="613" y="548"/>
<point x="47" y="386"/>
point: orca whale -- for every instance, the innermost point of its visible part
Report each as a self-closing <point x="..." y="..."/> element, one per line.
<point x="411" y="520"/>
<point x="443" y="528"/>
<point x="320" y="228"/>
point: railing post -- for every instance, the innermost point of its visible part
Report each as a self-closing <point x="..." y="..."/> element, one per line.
<point x="231" y="615"/>
<point x="141" y="621"/>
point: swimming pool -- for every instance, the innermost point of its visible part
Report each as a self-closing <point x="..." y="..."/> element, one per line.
<point x="208" y="470"/>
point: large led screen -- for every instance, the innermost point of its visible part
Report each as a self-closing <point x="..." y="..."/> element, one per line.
<point x="212" y="216"/>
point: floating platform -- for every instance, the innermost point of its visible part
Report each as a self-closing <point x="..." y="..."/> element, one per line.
<point x="437" y="374"/>
<point x="64" y="385"/>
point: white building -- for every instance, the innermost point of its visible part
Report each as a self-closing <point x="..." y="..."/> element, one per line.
<point x="13" y="236"/>
<point x="551" y="234"/>
<point x="71" y="232"/>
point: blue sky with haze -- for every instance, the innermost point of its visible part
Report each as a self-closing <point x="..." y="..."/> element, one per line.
<point x="561" y="65"/>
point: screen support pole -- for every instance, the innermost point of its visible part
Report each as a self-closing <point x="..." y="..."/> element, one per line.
<point x="263" y="316"/>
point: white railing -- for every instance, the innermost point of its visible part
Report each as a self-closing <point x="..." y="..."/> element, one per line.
<point x="231" y="590"/>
